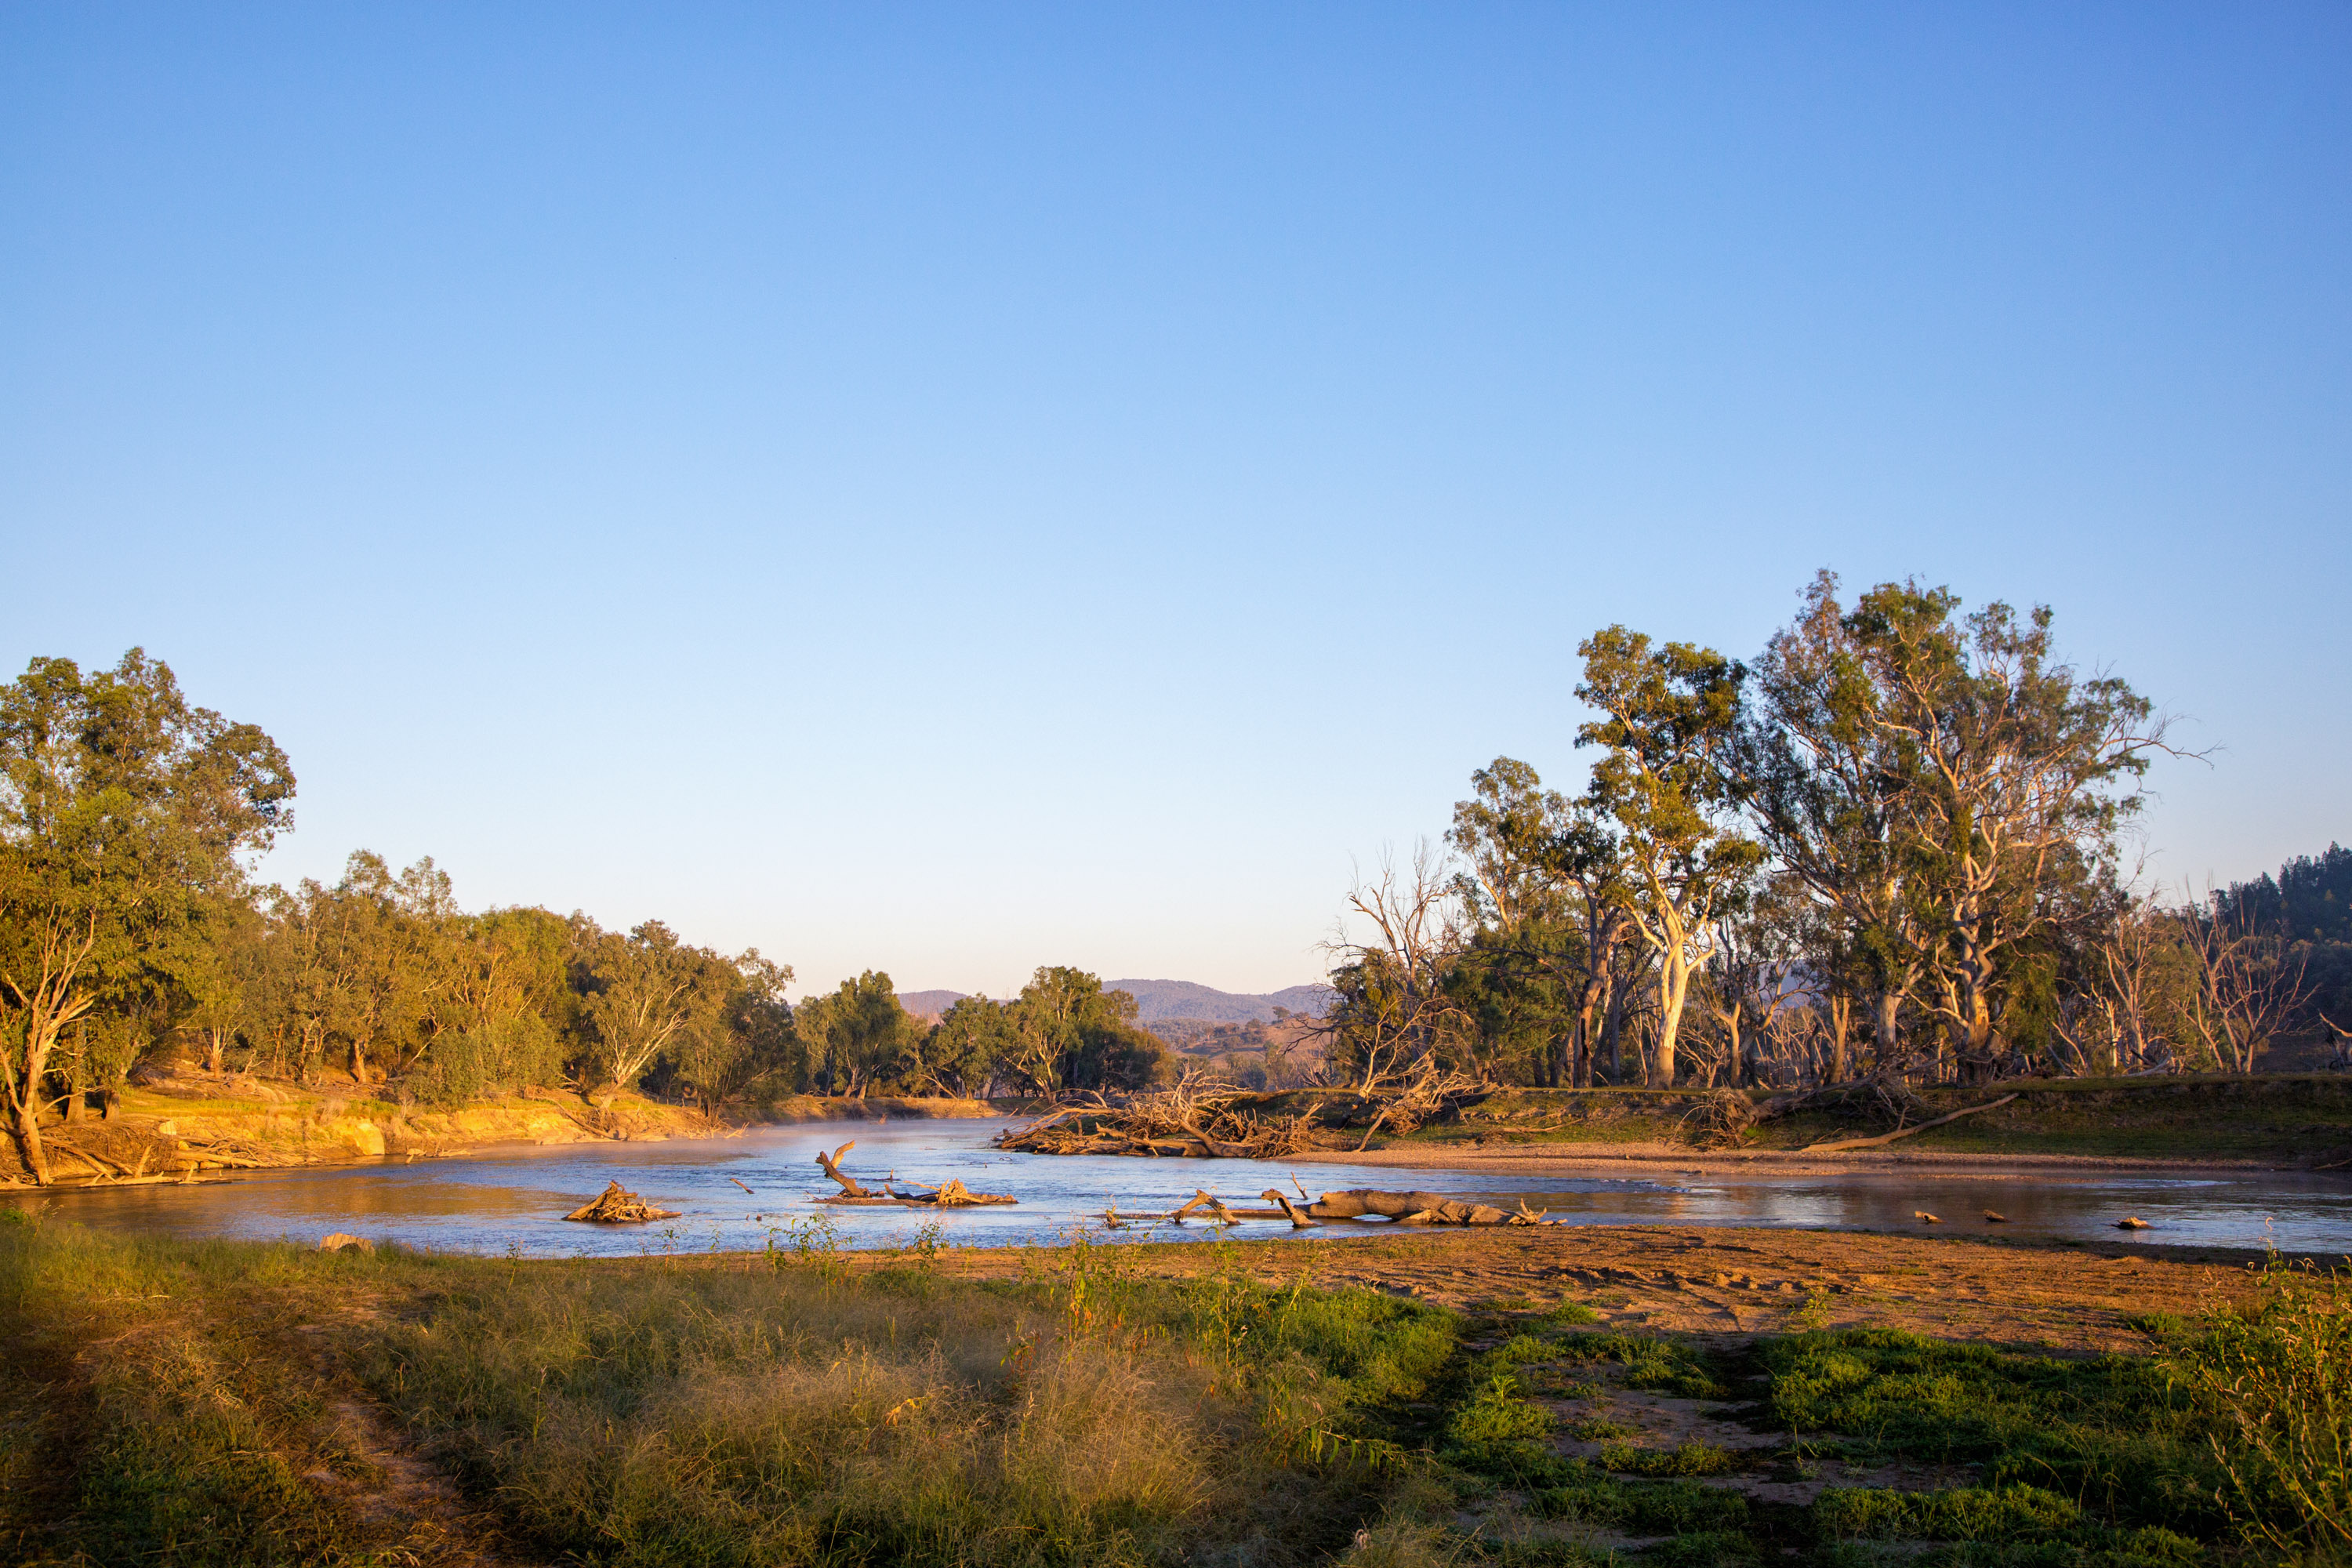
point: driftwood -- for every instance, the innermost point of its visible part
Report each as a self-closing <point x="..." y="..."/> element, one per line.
<point x="953" y="1195"/>
<point x="1179" y="1124"/>
<point x="613" y="1207"/>
<point x="1361" y="1203"/>
<point x="1904" y="1133"/>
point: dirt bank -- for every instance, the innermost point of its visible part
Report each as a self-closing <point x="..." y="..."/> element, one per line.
<point x="176" y="1126"/>
<point x="1506" y="1159"/>
<point x="1741" y="1282"/>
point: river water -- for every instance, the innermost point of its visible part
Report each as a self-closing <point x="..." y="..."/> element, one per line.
<point x="512" y="1202"/>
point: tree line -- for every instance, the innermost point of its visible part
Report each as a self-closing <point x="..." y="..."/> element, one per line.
<point x="1894" y="843"/>
<point x="131" y="927"/>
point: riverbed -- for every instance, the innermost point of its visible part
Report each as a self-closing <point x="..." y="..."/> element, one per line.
<point x="511" y="1202"/>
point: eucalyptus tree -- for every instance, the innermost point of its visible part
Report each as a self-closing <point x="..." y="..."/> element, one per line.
<point x="856" y="1033"/>
<point x="2021" y="771"/>
<point x="639" y="994"/>
<point x="124" y="811"/>
<point x="723" y="1052"/>
<point x="1394" y="1015"/>
<point x="1838" y="799"/>
<point x="1515" y="976"/>
<point x="1665" y="786"/>
<point x="969" y="1046"/>
<point x="1069" y="1033"/>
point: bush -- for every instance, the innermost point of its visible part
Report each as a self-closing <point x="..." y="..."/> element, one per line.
<point x="2280" y="1378"/>
<point x="1497" y="1413"/>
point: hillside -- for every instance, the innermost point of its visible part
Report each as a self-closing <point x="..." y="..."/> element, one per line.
<point x="928" y="1003"/>
<point x="1158" y="999"/>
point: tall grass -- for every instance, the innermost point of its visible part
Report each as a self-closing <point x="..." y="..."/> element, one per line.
<point x="789" y="1416"/>
<point x="148" y="1422"/>
<point x="2279" y="1373"/>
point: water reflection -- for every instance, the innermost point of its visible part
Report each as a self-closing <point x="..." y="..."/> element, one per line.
<point x="511" y="1202"/>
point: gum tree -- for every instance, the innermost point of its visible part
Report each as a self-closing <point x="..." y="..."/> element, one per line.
<point x="124" y="811"/>
<point x="1669" y="719"/>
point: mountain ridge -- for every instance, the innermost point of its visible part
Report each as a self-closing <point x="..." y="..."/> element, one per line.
<point x="1156" y="1000"/>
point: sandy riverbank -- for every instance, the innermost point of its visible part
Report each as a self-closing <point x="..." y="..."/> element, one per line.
<point x="1656" y="1159"/>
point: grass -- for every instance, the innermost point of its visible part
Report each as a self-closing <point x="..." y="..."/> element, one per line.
<point x="210" y="1404"/>
<point x="2271" y="1117"/>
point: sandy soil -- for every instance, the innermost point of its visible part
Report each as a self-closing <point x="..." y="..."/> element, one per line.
<point x="1613" y="1159"/>
<point x="1742" y="1282"/>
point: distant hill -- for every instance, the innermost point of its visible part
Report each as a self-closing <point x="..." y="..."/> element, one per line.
<point x="1158" y="999"/>
<point x="928" y="1003"/>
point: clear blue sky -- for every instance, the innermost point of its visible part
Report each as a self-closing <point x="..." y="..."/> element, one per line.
<point x="956" y="489"/>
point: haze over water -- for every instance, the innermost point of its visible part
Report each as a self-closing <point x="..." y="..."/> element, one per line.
<point x="514" y="1201"/>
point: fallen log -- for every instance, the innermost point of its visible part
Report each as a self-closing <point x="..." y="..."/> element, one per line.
<point x="953" y="1194"/>
<point x="1906" y="1132"/>
<point x="1408" y="1208"/>
<point x="831" y="1164"/>
<point x="615" y="1207"/>
<point x="1300" y="1218"/>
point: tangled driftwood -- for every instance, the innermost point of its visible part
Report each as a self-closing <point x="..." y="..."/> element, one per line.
<point x="1176" y="1123"/>
<point x="613" y="1207"/>
<point x="1356" y="1203"/>
<point x="953" y="1194"/>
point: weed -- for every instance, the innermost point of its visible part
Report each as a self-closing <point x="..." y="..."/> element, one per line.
<point x="1649" y="1363"/>
<point x="2280" y="1375"/>
<point x="2122" y="1435"/>
<point x="1497" y="1413"/>
<point x="1685" y="1459"/>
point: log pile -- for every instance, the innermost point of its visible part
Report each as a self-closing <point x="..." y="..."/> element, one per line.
<point x="613" y="1207"/>
<point x="1176" y="1123"/>
<point x="953" y="1194"/>
<point x="1356" y="1203"/>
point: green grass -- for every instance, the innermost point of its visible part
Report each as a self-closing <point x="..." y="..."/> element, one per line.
<point x="2292" y="1116"/>
<point x="175" y="1403"/>
<point x="2125" y="1436"/>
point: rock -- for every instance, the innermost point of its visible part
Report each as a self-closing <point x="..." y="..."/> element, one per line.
<point x="341" y="1242"/>
<point x="167" y="1130"/>
<point x="2131" y="1222"/>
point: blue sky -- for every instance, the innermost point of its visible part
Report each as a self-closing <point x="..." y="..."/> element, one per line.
<point x="956" y="489"/>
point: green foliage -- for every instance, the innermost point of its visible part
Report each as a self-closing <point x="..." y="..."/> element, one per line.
<point x="1685" y="1459"/>
<point x="1650" y="1364"/>
<point x="2015" y="1512"/>
<point x="1567" y="1312"/>
<point x="2281" y="1376"/>
<point x="1498" y="1413"/>
<point x="2122" y="1435"/>
<point x="1642" y="1508"/>
<point x="124" y="811"/>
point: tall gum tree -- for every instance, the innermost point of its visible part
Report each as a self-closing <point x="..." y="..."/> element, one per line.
<point x="1836" y="796"/>
<point x="2024" y="769"/>
<point x="124" y="811"/>
<point x="1670" y="716"/>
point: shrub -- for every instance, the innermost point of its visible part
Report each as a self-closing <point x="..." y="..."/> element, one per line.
<point x="2280" y="1378"/>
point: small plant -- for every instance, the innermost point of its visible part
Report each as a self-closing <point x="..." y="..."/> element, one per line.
<point x="1687" y="1459"/>
<point x="813" y="1244"/>
<point x="923" y="1248"/>
<point x="1497" y="1413"/>
<point x="1571" y="1313"/>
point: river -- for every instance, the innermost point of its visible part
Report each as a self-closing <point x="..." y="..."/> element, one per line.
<point x="511" y="1200"/>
